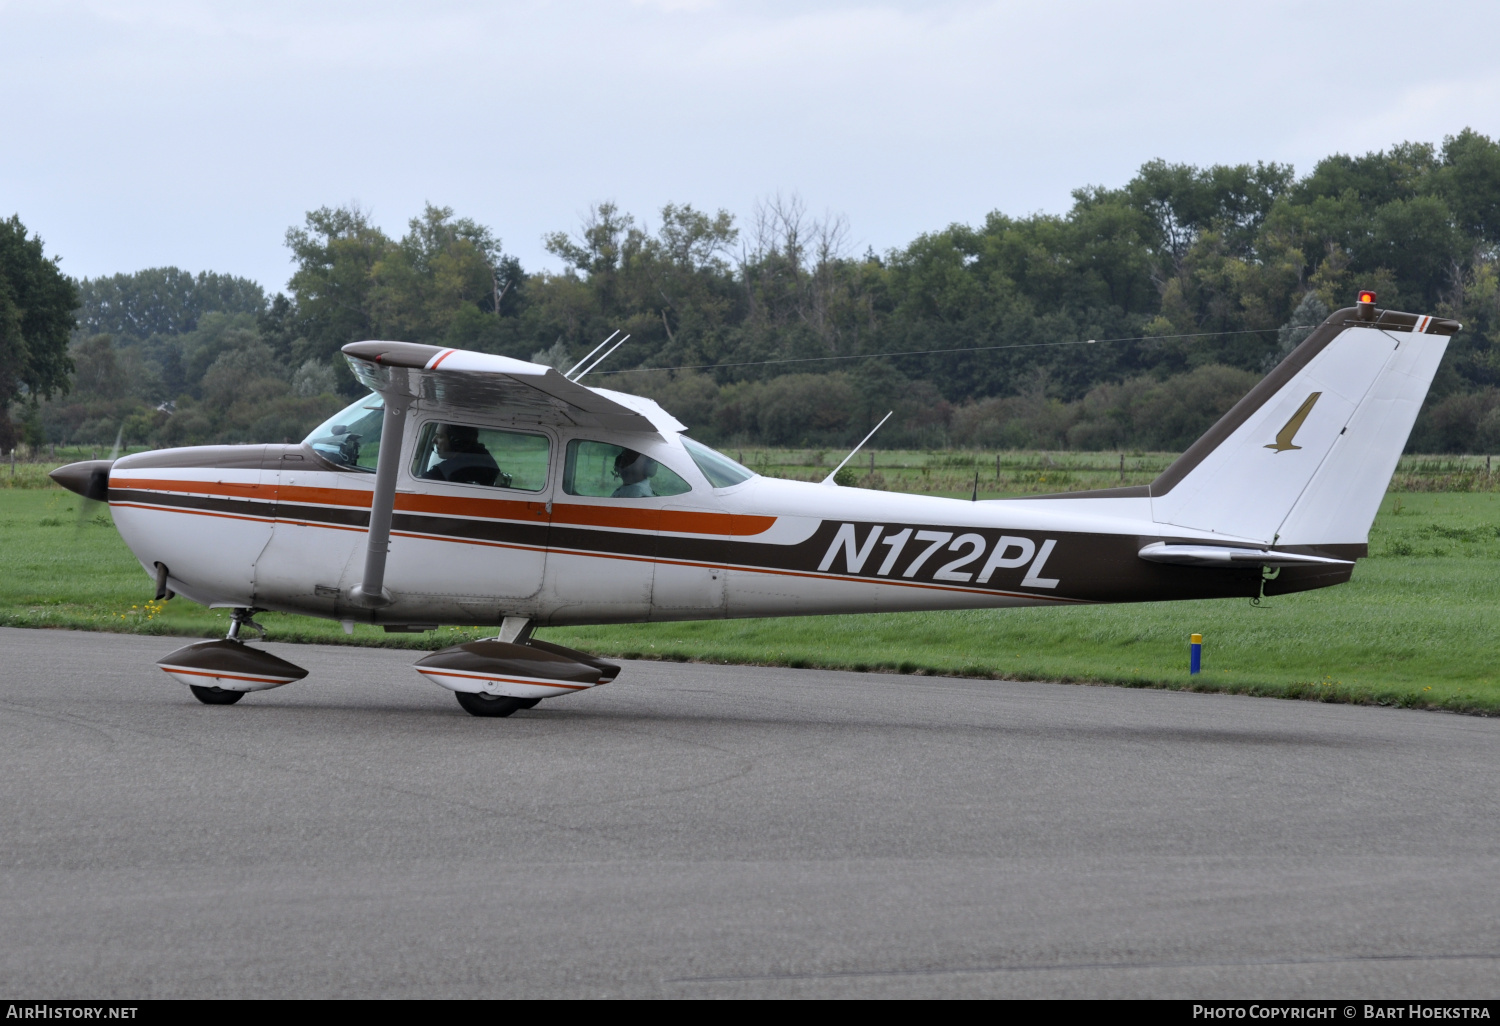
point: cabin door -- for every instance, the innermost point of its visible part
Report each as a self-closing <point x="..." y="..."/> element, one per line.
<point x="473" y="510"/>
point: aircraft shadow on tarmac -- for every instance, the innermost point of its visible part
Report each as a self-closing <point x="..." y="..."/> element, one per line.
<point x="578" y="716"/>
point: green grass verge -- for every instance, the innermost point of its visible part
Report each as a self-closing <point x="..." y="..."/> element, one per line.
<point x="1416" y="626"/>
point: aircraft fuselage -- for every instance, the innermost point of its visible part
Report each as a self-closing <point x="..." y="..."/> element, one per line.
<point x="280" y="528"/>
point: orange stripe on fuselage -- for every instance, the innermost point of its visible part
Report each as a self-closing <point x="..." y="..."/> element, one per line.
<point x="670" y="520"/>
<point x="234" y="489"/>
<point x="621" y="517"/>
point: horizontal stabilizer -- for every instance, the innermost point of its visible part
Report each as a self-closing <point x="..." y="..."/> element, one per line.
<point x="1228" y="555"/>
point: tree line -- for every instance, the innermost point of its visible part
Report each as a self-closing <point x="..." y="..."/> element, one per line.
<point x="771" y="330"/>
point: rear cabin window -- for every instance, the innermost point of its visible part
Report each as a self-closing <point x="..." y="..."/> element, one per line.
<point x="463" y="454"/>
<point x="610" y="471"/>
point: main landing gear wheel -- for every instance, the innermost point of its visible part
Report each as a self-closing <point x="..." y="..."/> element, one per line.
<point x="215" y="696"/>
<point x="492" y="705"/>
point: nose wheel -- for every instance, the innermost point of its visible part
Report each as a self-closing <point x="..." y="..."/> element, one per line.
<point x="221" y="672"/>
<point x="215" y="696"/>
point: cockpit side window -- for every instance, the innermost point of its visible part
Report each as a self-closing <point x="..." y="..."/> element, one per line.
<point x="610" y="471"/>
<point x="464" y="454"/>
<point x="351" y="437"/>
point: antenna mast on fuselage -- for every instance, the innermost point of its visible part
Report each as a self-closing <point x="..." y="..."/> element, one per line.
<point x="569" y="373"/>
<point x="611" y="349"/>
<point x="829" y="479"/>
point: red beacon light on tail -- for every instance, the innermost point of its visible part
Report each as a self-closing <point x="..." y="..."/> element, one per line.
<point x="1365" y="307"/>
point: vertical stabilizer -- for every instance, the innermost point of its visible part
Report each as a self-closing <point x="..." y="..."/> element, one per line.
<point x="1305" y="457"/>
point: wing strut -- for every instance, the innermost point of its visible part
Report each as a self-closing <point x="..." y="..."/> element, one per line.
<point x="371" y="592"/>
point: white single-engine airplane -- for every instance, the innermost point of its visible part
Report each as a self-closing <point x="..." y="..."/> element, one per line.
<point x="477" y="489"/>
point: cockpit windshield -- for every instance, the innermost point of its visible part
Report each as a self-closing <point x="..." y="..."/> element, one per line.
<point x="351" y="437"/>
<point x="721" y="471"/>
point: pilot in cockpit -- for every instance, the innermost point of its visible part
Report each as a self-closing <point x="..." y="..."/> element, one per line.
<point x="635" y="471"/>
<point x="461" y="457"/>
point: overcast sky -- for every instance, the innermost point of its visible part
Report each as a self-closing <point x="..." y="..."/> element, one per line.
<point x="136" y="134"/>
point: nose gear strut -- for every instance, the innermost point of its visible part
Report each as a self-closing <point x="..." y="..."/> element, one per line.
<point x="244" y="618"/>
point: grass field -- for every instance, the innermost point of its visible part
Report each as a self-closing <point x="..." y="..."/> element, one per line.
<point x="1416" y="626"/>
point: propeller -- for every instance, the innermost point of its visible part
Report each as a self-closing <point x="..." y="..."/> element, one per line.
<point x="96" y="489"/>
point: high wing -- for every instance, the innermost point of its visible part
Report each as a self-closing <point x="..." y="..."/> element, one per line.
<point x="407" y="373"/>
<point x="464" y="380"/>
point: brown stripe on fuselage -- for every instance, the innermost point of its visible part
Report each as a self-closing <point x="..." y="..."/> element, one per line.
<point x="619" y="517"/>
<point x="163" y="508"/>
<point x="484" y="532"/>
<point x="1089" y="567"/>
<point x="815" y="575"/>
<point x="359" y="529"/>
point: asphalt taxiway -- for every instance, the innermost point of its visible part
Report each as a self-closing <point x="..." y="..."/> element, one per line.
<point x="699" y="831"/>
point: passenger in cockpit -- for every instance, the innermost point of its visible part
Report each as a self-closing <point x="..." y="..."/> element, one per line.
<point x="462" y="457"/>
<point x="635" y="471"/>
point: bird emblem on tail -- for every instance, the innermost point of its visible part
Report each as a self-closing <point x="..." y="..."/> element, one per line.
<point x="1292" y="426"/>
